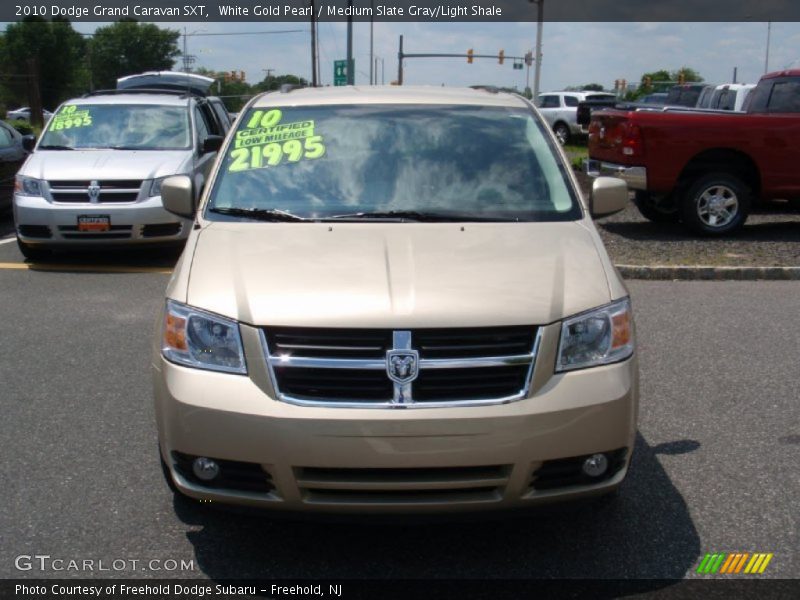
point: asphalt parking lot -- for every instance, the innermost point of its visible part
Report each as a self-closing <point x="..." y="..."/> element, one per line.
<point x="714" y="470"/>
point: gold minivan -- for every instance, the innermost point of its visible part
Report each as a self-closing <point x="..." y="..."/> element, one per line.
<point x="394" y="299"/>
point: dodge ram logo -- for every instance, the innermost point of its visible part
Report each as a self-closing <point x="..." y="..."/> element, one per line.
<point x="402" y="366"/>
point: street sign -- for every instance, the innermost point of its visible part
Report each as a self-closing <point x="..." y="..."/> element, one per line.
<point x="340" y="72"/>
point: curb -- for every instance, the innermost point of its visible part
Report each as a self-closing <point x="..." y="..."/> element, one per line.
<point x="705" y="273"/>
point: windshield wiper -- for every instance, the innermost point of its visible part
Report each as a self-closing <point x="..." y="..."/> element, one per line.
<point x="415" y="215"/>
<point x="55" y="147"/>
<point x="260" y="214"/>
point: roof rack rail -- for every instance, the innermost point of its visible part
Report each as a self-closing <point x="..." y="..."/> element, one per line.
<point x="486" y="88"/>
<point x="290" y="87"/>
<point x="138" y="91"/>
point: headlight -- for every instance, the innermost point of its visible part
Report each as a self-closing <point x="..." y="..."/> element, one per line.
<point x="155" y="187"/>
<point x="27" y="186"/>
<point x="199" y="339"/>
<point x="599" y="337"/>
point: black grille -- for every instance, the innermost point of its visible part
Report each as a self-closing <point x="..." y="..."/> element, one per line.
<point x="469" y="384"/>
<point x="115" y="232"/>
<point x="35" y="231"/>
<point x="329" y="343"/>
<point x="566" y="472"/>
<point x="402" y="474"/>
<point x="161" y="230"/>
<point x="234" y="475"/>
<point x="334" y="384"/>
<point x="474" y="343"/>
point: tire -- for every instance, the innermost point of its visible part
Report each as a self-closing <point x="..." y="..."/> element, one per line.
<point x="562" y="133"/>
<point x="34" y="253"/>
<point x="716" y="204"/>
<point x="657" y="209"/>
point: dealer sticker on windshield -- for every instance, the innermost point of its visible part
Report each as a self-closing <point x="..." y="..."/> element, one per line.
<point x="266" y="142"/>
<point x="69" y="117"/>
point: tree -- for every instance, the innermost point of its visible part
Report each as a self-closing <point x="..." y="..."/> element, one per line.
<point x="59" y="50"/>
<point x="689" y="75"/>
<point x="234" y="93"/>
<point x="272" y="82"/>
<point x="128" y="47"/>
<point x="592" y="87"/>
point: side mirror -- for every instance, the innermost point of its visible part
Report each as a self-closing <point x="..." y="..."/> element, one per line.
<point x="212" y="143"/>
<point x="609" y="196"/>
<point x="28" y="142"/>
<point x="177" y="195"/>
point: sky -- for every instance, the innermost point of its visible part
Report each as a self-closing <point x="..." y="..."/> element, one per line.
<point x="573" y="53"/>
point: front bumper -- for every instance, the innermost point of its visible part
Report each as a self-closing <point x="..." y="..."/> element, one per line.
<point x="353" y="460"/>
<point x="52" y="224"/>
<point x="635" y="177"/>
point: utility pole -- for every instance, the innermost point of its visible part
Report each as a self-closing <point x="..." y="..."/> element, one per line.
<point x="351" y="76"/>
<point x="373" y="73"/>
<point x="537" y="69"/>
<point x="400" y="63"/>
<point x="185" y="57"/>
<point x="313" y="47"/>
<point x="34" y="94"/>
<point x="766" y="60"/>
<point x="734" y="73"/>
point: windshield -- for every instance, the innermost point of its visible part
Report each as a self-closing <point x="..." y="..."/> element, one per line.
<point x="384" y="161"/>
<point x="121" y="126"/>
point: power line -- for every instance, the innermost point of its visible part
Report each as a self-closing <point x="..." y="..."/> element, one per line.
<point x="279" y="31"/>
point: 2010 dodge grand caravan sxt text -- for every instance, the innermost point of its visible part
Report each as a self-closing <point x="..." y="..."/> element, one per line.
<point x="394" y="300"/>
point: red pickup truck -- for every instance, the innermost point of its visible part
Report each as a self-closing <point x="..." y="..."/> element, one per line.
<point x="705" y="168"/>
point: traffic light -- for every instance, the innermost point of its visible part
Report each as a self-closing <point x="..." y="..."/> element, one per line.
<point x="681" y="78"/>
<point x="616" y="84"/>
<point x="469" y="56"/>
<point x="501" y="56"/>
<point x="648" y="81"/>
<point x="624" y="85"/>
<point x="226" y="76"/>
<point x="529" y="58"/>
<point x="241" y="75"/>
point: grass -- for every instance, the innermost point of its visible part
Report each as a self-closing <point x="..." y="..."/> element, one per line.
<point x="576" y="153"/>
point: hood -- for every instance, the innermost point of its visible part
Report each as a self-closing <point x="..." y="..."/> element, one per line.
<point x="82" y="165"/>
<point x="398" y="275"/>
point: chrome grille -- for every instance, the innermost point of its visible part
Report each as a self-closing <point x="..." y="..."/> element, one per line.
<point x="107" y="191"/>
<point x="443" y="367"/>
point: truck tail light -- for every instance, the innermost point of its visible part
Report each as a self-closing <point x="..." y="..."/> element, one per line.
<point x="631" y="138"/>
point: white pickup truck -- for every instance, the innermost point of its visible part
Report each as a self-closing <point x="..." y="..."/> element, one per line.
<point x="560" y="110"/>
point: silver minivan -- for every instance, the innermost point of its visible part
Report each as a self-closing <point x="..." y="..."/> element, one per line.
<point x="94" y="177"/>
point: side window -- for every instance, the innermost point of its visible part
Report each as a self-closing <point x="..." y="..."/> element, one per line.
<point x="6" y="140"/>
<point x="222" y="114"/>
<point x="728" y="100"/>
<point x="571" y="101"/>
<point x="785" y="97"/>
<point x="212" y="122"/>
<point x="201" y="125"/>
<point x="549" y="102"/>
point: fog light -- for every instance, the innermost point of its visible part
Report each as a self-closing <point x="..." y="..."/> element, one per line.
<point x="596" y="465"/>
<point x="205" y="468"/>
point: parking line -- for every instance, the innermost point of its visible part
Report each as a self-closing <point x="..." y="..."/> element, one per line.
<point x="13" y="238"/>
<point x="82" y="268"/>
